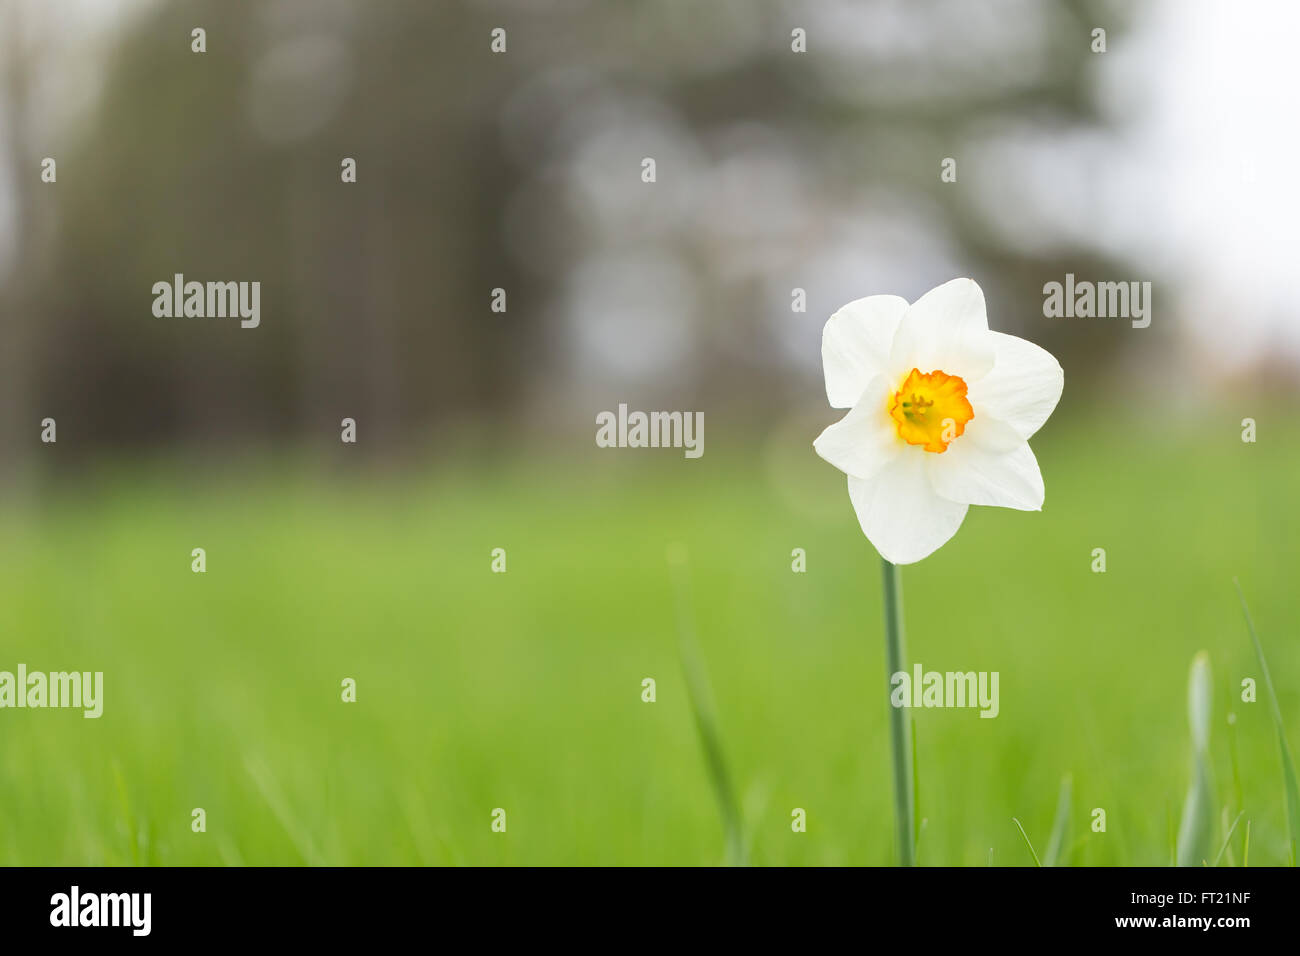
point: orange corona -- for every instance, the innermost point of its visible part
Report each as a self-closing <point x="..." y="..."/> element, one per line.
<point x="930" y="409"/>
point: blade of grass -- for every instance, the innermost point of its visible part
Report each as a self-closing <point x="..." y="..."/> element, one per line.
<point x="1228" y="828"/>
<point x="1055" y="842"/>
<point x="706" y="725"/>
<point x="1288" y="767"/>
<point x="1228" y="838"/>
<point x="1025" y="835"/>
<point x="1198" y="816"/>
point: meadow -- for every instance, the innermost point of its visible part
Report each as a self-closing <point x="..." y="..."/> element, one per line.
<point x="523" y="690"/>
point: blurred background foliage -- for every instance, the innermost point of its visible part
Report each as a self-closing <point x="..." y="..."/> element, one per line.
<point x="520" y="171"/>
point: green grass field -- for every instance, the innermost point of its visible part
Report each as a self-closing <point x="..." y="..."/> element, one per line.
<point x="523" y="690"/>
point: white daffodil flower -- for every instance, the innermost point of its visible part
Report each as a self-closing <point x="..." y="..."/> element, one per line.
<point x="940" y="410"/>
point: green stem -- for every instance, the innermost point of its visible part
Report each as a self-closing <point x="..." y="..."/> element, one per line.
<point x="898" y="731"/>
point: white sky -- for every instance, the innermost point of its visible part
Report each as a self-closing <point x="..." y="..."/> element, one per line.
<point x="1216" y="156"/>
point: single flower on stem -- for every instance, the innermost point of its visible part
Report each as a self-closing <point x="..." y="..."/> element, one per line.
<point x="941" y="409"/>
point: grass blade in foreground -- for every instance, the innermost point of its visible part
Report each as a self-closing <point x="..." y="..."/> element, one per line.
<point x="1037" y="862"/>
<point x="1228" y="839"/>
<point x="1288" y="767"/>
<point x="1052" y="856"/>
<point x="697" y="691"/>
<point x="1198" y="815"/>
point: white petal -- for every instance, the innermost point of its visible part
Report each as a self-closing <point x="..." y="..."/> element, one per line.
<point x="989" y="464"/>
<point x="901" y="514"/>
<point x="945" y="330"/>
<point x="1023" y="387"/>
<point x="855" y="345"/>
<point x="864" y="440"/>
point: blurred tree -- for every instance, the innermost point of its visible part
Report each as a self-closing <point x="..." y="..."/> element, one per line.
<point x="225" y="165"/>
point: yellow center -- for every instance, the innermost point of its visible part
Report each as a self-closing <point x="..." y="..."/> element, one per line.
<point x="930" y="409"/>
